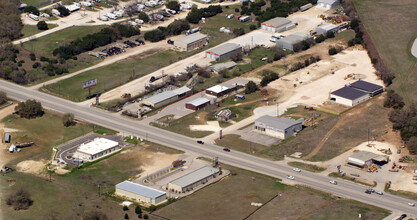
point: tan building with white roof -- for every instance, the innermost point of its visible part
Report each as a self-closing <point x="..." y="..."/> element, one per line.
<point x="96" y="149"/>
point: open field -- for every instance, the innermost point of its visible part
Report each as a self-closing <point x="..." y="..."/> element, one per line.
<point x="306" y="166"/>
<point x="29" y="30"/>
<point x="234" y="142"/>
<point x="45" y="45"/>
<point x="393" y="39"/>
<point x="218" y="201"/>
<point x="33" y="2"/>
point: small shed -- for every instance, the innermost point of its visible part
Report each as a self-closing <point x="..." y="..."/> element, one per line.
<point x="197" y="104"/>
<point x="240" y="97"/>
<point x="324" y="28"/>
<point x="7" y="137"/>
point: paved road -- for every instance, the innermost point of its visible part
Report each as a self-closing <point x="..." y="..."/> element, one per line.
<point x="344" y="188"/>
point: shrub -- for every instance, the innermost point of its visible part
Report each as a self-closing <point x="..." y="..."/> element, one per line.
<point x="29" y="109"/>
<point x="145" y="216"/>
<point x="237" y="10"/>
<point x="351" y="43"/>
<point x="36" y="65"/>
<point x="19" y="200"/>
<point x="143" y="16"/>
<point x="138" y="210"/>
<point x="64" y="11"/>
<point x="95" y="215"/>
<point x="332" y="51"/>
<point x="173" y="5"/>
<point x="269" y="76"/>
<point x="125" y="208"/>
<point x="238" y="31"/>
<point x="3" y="97"/>
<point x="32" y="10"/>
<point x="251" y="87"/>
<point x="44" y="59"/>
<point x="126" y="216"/>
<point x="42" y="25"/>
<point x="154" y="35"/>
<point x="69" y="120"/>
<point x="32" y="56"/>
<point x="393" y="100"/>
<point x="252" y="27"/>
<point x="329" y="34"/>
<point x="320" y="38"/>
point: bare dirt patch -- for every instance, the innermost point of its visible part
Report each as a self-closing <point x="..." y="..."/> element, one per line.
<point x="31" y="167"/>
<point x="154" y="161"/>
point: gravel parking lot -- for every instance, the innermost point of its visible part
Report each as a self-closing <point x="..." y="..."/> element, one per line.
<point x="250" y="135"/>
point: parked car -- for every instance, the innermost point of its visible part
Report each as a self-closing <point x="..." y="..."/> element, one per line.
<point x="226" y="149"/>
<point x="403" y="216"/>
<point x="411" y="204"/>
<point x="368" y="191"/>
<point x="333" y="182"/>
<point x="379" y="193"/>
<point x="290" y="177"/>
<point x="200" y="142"/>
<point x="296" y="170"/>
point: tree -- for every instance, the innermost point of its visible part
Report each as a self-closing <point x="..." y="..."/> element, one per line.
<point x="393" y="100"/>
<point x="354" y="25"/>
<point x="332" y="51"/>
<point x="252" y="27"/>
<point x="236" y="57"/>
<point x="68" y="119"/>
<point x="320" y="38"/>
<point x="143" y="16"/>
<point x="305" y="45"/>
<point x="173" y="5"/>
<point x="154" y="35"/>
<point x="95" y="215"/>
<point x="32" y="56"/>
<point x="3" y="97"/>
<point x="412" y="145"/>
<point x="138" y="210"/>
<point x="238" y="31"/>
<point x="42" y="25"/>
<point x="29" y="109"/>
<point x="19" y="200"/>
<point x="251" y="87"/>
<point x="32" y="10"/>
<point x="140" y="216"/>
<point x="64" y="11"/>
<point x="194" y="16"/>
<point x="329" y="34"/>
<point x="126" y="216"/>
<point x="125" y="208"/>
<point x="145" y="216"/>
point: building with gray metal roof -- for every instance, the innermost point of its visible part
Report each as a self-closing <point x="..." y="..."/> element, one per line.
<point x="191" y="42"/>
<point x="348" y="96"/>
<point x="166" y="97"/>
<point x="193" y="179"/>
<point x="277" y="24"/>
<point x="370" y="88"/>
<point x="222" y="66"/>
<point x="366" y="158"/>
<point x="292" y="40"/>
<point x="324" y="28"/>
<point x="223" y="51"/>
<point x="282" y="127"/>
<point x="327" y="4"/>
<point x="140" y="192"/>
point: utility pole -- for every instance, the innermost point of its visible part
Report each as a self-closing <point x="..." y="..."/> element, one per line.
<point x="277" y="109"/>
<point x="368" y="134"/>
<point x="99" y="189"/>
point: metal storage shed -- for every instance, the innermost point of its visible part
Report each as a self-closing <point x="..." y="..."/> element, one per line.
<point x="197" y="104"/>
<point x="290" y="41"/>
<point x="191" y="41"/>
<point x="324" y="28"/>
<point x="349" y="96"/>
<point x="193" y="179"/>
<point x="277" y="24"/>
<point x="140" y="192"/>
<point x="223" y="51"/>
<point x="279" y="127"/>
<point x="370" y="88"/>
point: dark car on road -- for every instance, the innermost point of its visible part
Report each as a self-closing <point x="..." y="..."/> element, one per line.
<point x="200" y="142"/>
<point x="226" y="149"/>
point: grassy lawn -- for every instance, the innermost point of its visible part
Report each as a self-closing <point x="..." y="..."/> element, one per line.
<point x="356" y="180"/>
<point x="33" y="2"/>
<point x="182" y="125"/>
<point x="401" y="193"/>
<point x="345" y="35"/>
<point x="29" y="30"/>
<point x="45" y="45"/>
<point x="294" y="203"/>
<point x="393" y="39"/>
<point x="47" y="132"/>
<point x="305" y="166"/>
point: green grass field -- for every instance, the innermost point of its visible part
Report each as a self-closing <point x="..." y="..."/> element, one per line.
<point x="45" y="45"/>
<point x="231" y="198"/>
<point x="29" y="30"/>
<point x="393" y="39"/>
<point x="234" y="142"/>
<point x="33" y="2"/>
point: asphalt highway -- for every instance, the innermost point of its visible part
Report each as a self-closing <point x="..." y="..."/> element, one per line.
<point x="343" y="189"/>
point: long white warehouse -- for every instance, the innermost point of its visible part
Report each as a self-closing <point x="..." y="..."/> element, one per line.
<point x="140" y="192"/>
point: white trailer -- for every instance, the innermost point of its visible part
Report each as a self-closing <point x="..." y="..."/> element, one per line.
<point x="34" y="17"/>
<point x="103" y="18"/>
<point x="56" y="12"/>
<point x="111" y="16"/>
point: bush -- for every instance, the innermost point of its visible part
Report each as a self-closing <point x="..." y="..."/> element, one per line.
<point x="32" y="56"/>
<point x="95" y="215"/>
<point x="354" y="24"/>
<point x="238" y="31"/>
<point x="393" y="100"/>
<point x="195" y="15"/>
<point x="252" y="27"/>
<point x="305" y="45"/>
<point x="140" y="216"/>
<point x="32" y="10"/>
<point x="44" y="59"/>
<point x="329" y="34"/>
<point x="145" y="216"/>
<point x="29" y="109"/>
<point x="236" y="57"/>
<point x="3" y="97"/>
<point x="125" y="208"/>
<point x="19" y="200"/>
<point x="412" y="145"/>
<point x="173" y="5"/>
<point x="269" y="76"/>
<point x="36" y="65"/>
<point x="332" y="51"/>
<point x="143" y="16"/>
<point x="69" y="120"/>
<point x="351" y="43"/>
<point x="320" y="38"/>
<point x="42" y="25"/>
<point x="237" y="10"/>
<point x="251" y="87"/>
<point x="126" y="216"/>
<point x="138" y="210"/>
<point x="154" y="35"/>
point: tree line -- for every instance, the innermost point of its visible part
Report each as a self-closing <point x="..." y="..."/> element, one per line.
<point x="196" y="14"/>
<point x="92" y="41"/>
<point x="175" y="28"/>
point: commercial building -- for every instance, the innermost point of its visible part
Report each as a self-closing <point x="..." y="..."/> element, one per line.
<point x="324" y="28"/>
<point x="277" y="24"/>
<point x="140" y="192"/>
<point x="166" y="97"/>
<point x="193" y="179"/>
<point x="327" y="4"/>
<point x="278" y="127"/>
<point x="291" y="40"/>
<point x="222" y="66"/>
<point x="348" y="96"/>
<point x="306" y="7"/>
<point x="7" y="137"/>
<point x="366" y="159"/>
<point x="197" y="104"/>
<point x="223" y="51"/>
<point x="191" y="42"/>
<point x="96" y="149"/>
<point x="370" y="88"/>
<point x="73" y="7"/>
<point x="219" y="90"/>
